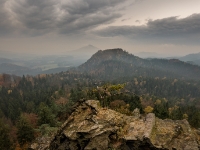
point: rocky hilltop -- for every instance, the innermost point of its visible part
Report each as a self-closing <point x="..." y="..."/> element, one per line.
<point x="116" y="63"/>
<point x="91" y="127"/>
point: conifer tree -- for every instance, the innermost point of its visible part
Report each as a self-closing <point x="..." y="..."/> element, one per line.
<point x="25" y="132"/>
<point x="5" y="143"/>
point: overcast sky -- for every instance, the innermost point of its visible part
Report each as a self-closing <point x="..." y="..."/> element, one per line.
<point x="55" y="26"/>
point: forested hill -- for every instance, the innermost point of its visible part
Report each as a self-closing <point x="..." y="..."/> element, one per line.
<point x="114" y="63"/>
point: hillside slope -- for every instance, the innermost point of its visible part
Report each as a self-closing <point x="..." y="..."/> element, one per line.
<point x="115" y="63"/>
<point x="192" y="58"/>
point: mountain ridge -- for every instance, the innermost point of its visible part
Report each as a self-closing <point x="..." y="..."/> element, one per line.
<point x="85" y="51"/>
<point x="191" y="58"/>
<point x="126" y="64"/>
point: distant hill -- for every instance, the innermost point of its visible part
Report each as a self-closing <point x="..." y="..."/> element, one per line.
<point x="37" y="65"/>
<point x="55" y="70"/>
<point x="5" y="60"/>
<point x="192" y="58"/>
<point x="10" y="68"/>
<point x="155" y="55"/>
<point x="6" y="67"/>
<point x="151" y="55"/>
<point x="84" y="52"/>
<point x="115" y="63"/>
<point x="22" y="64"/>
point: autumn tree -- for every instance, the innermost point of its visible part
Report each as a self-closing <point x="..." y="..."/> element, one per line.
<point x="148" y="109"/>
<point x="31" y="118"/>
<point x="120" y="106"/>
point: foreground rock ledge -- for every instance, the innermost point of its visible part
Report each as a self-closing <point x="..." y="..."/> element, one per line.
<point x="91" y="127"/>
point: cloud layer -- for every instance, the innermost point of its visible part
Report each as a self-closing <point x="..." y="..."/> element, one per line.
<point x="39" y="17"/>
<point x="168" y="29"/>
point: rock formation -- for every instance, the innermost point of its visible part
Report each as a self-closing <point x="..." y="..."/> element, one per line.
<point x="91" y="127"/>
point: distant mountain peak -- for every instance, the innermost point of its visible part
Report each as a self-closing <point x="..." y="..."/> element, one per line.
<point x="89" y="45"/>
<point x="112" y="55"/>
<point x="88" y="49"/>
<point x="191" y="57"/>
<point x="114" y="63"/>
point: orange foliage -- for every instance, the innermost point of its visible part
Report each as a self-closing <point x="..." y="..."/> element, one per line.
<point x="147" y="102"/>
<point x="117" y="104"/>
<point x="31" y="118"/>
<point x="61" y="101"/>
<point x="12" y="129"/>
<point x="23" y="147"/>
<point x="17" y="147"/>
<point x="42" y="76"/>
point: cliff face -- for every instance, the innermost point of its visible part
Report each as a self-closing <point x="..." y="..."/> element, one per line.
<point x="91" y="127"/>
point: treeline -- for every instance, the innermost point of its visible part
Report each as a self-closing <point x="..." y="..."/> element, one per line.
<point x="162" y="87"/>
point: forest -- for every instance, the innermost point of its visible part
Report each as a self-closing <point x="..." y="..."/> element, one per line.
<point x="35" y="106"/>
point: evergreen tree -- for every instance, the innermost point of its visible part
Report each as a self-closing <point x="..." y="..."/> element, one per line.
<point x="45" y="115"/>
<point x="176" y="114"/>
<point x="5" y="143"/>
<point x="161" y="109"/>
<point x="25" y="132"/>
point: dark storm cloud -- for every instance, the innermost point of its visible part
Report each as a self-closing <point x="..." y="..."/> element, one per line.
<point x="5" y="23"/>
<point x="168" y="29"/>
<point x="45" y="16"/>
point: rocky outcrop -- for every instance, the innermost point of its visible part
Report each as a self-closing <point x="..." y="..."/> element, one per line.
<point x="91" y="127"/>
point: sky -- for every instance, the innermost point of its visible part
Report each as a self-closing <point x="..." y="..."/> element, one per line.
<point x="170" y="27"/>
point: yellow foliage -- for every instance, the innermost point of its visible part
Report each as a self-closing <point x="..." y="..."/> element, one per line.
<point x="175" y="80"/>
<point x="148" y="109"/>
<point x="158" y="102"/>
<point x="185" y="116"/>
<point x="170" y="110"/>
<point x="116" y="87"/>
<point x="9" y="91"/>
<point x="165" y="100"/>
